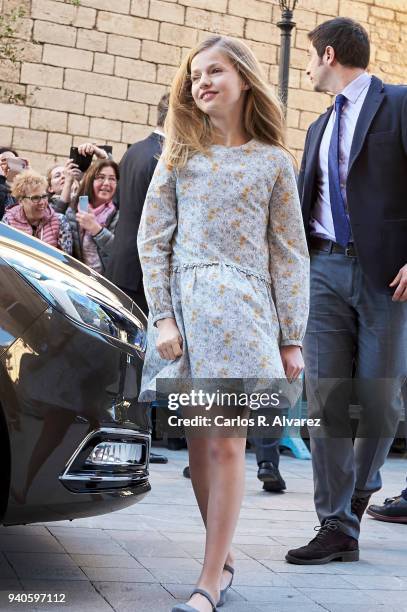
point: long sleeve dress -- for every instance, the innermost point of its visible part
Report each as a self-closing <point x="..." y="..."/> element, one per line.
<point x="223" y="251"/>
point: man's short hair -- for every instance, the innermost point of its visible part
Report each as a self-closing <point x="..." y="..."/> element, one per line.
<point x="162" y="109"/>
<point x="347" y="37"/>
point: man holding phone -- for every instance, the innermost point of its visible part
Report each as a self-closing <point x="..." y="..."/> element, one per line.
<point x="10" y="166"/>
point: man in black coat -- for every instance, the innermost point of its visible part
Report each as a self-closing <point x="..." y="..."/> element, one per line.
<point x="136" y="170"/>
<point x="353" y="189"/>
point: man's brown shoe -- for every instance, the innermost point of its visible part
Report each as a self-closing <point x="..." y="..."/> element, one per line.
<point x="359" y="505"/>
<point x="394" y="510"/>
<point x="330" y="544"/>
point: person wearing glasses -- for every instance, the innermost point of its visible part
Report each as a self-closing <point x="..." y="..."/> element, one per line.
<point x="33" y="215"/>
<point x="93" y="230"/>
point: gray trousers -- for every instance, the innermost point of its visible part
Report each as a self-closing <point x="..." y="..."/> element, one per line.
<point x="356" y="343"/>
<point x="267" y="449"/>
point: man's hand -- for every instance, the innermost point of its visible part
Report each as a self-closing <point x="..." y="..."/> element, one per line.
<point x="400" y="294"/>
<point x="88" y="148"/>
<point x="293" y="362"/>
<point x="169" y="341"/>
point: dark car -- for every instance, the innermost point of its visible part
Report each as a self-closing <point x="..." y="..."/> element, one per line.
<point x="74" y="441"/>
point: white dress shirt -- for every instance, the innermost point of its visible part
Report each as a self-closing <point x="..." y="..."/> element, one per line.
<point x="321" y="221"/>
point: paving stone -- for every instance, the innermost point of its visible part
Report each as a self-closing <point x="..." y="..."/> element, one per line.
<point x="9" y="584"/>
<point x="338" y="596"/>
<point x="176" y="576"/>
<point x="78" y="532"/>
<point x="139" y="536"/>
<point x="196" y="550"/>
<point x="321" y="581"/>
<point x="154" y="549"/>
<point x="46" y="544"/>
<point x="275" y="595"/>
<point x="264" y="551"/>
<point x="45" y="566"/>
<point x="291" y="607"/>
<point x="6" y="571"/>
<point x="118" y="574"/>
<point x="395" y="598"/>
<point x="95" y="546"/>
<point x="261" y="578"/>
<point x="146" y="557"/>
<point x="118" y="561"/>
<point x="80" y="596"/>
<point x="32" y="530"/>
<point x="130" y="597"/>
<point x="363" y="608"/>
<point x="282" y="567"/>
<point x="377" y="582"/>
<point x="169" y="563"/>
<point x="182" y="592"/>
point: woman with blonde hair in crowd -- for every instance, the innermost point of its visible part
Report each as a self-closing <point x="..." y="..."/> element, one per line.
<point x="225" y="266"/>
<point x="33" y="214"/>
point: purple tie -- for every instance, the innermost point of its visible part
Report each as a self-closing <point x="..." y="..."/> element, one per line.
<point x="340" y="218"/>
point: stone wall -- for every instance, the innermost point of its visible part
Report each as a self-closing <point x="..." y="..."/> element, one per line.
<point x="96" y="71"/>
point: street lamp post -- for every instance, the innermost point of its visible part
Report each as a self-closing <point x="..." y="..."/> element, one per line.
<point x="286" y="25"/>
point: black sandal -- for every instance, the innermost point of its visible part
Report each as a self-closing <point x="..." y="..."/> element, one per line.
<point x="224" y="591"/>
<point x="187" y="608"/>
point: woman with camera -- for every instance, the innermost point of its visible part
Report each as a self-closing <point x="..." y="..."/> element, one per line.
<point x="64" y="180"/>
<point x="93" y="216"/>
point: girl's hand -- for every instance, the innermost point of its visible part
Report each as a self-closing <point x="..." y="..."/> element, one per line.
<point x="169" y="341"/>
<point x="89" y="148"/>
<point x="293" y="362"/>
<point x="88" y="222"/>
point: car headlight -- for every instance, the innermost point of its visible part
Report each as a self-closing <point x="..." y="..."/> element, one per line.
<point x="81" y="298"/>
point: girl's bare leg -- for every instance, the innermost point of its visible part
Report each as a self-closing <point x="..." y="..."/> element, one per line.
<point x="221" y="482"/>
<point x="200" y="470"/>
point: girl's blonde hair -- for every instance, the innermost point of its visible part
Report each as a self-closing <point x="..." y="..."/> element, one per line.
<point x="25" y="182"/>
<point x="189" y="130"/>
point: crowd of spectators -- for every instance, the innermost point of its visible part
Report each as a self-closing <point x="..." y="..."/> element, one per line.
<point x="46" y="207"/>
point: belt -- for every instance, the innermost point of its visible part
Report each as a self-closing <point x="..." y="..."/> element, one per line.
<point x="329" y="246"/>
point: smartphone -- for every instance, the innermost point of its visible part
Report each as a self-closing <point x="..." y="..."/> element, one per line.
<point x="82" y="161"/>
<point x="107" y="148"/>
<point x="83" y="203"/>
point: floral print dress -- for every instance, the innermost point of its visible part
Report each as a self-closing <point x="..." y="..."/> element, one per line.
<point x="223" y="251"/>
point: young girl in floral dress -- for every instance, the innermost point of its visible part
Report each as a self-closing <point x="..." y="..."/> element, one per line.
<point x="225" y="266"/>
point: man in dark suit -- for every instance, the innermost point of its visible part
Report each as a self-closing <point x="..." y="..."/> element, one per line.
<point x="354" y="195"/>
<point x="136" y="170"/>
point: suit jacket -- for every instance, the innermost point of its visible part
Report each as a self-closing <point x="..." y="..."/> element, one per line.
<point x="136" y="170"/>
<point x="376" y="185"/>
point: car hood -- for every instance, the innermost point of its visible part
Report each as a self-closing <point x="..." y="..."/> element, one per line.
<point x="24" y="246"/>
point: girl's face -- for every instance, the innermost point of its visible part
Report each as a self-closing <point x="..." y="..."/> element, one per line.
<point x="57" y="180"/>
<point x="217" y="88"/>
<point x="104" y="186"/>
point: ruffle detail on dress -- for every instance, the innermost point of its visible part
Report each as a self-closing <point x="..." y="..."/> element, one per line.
<point x="205" y="264"/>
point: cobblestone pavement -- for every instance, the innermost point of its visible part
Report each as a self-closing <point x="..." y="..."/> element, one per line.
<point x="146" y="557"/>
